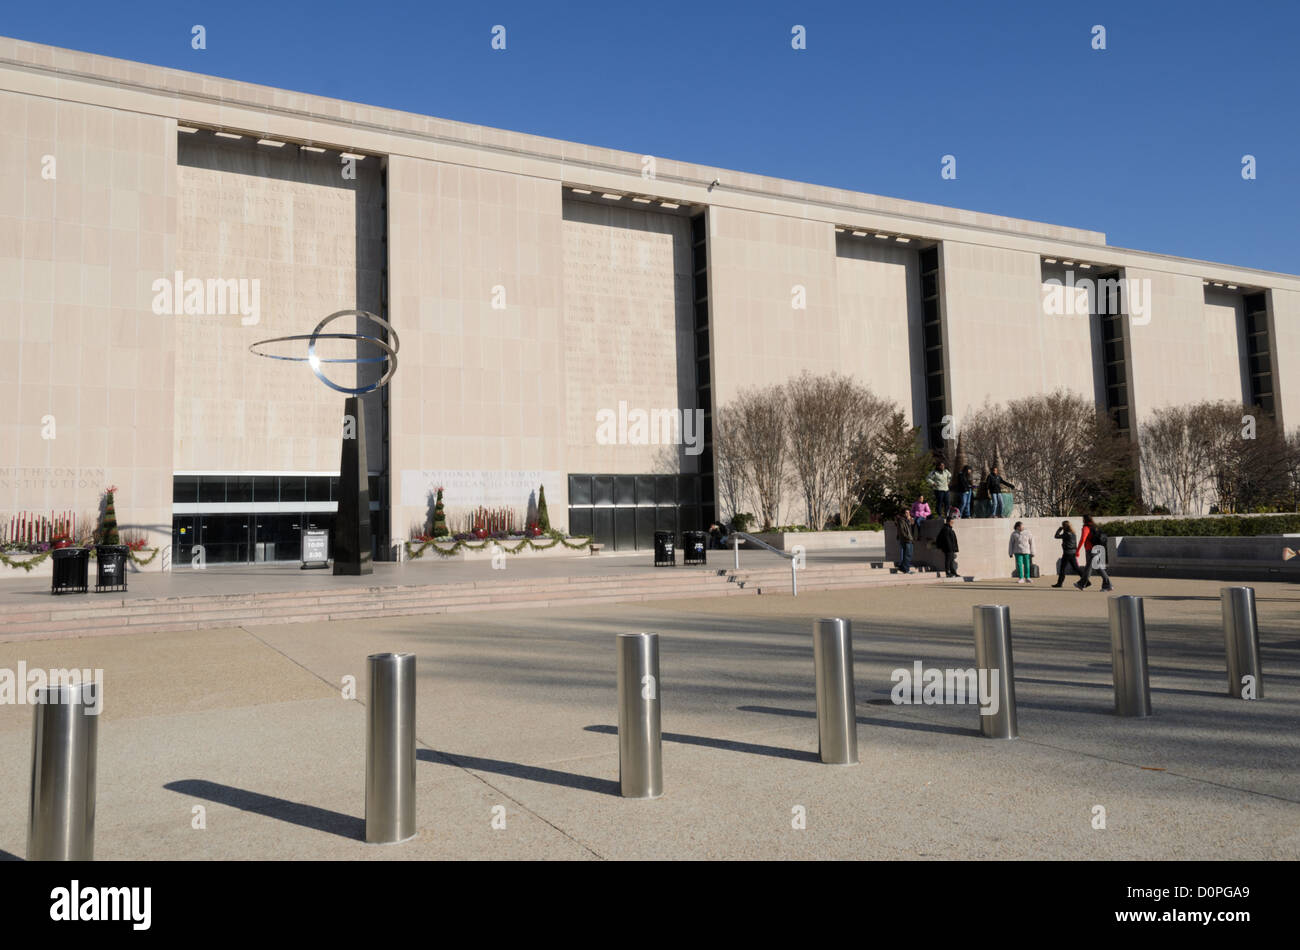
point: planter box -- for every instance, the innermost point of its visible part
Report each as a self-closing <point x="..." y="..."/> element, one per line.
<point x="43" y="571"/>
<point x="823" y="540"/>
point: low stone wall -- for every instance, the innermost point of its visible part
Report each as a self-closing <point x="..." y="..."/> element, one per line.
<point x="1254" y="558"/>
<point x="823" y="540"/>
<point x="982" y="544"/>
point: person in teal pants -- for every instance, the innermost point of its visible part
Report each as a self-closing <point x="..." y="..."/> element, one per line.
<point x="1021" y="547"/>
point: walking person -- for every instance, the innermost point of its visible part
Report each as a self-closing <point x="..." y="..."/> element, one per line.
<point x="965" y="490"/>
<point x="1021" y="547"/>
<point x="1069" y="559"/>
<point x="1092" y="540"/>
<point x="994" y="485"/>
<point x="939" y="480"/>
<point x="906" y="538"/>
<point x="947" y="543"/>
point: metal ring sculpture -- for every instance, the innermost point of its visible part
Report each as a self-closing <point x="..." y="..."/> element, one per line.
<point x="315" y="361"/>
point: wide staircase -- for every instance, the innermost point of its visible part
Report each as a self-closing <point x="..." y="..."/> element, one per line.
<point x="99" y="615"/>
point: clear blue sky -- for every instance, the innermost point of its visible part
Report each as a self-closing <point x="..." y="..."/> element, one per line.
<point x="1143" y="141"/>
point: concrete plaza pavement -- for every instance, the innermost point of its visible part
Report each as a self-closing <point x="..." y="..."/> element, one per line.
<point x="517" y="709"/>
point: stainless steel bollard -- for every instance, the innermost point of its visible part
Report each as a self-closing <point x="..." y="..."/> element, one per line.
<point x="993" y="652"/>
<point x="390" y="748"/>
<point x="735" y="541"/>
<point x="837" y="720"/>
<point x="1128" y="656"/>
<point x="61" y="811"/>
<point x="640" y="738"/>
<point x="794" y="580"/>
<point x="1241" y="640"/>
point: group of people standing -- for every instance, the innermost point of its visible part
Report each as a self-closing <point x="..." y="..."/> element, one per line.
<point x="946" y="541"/>
<point x="956" y="496"/>
<point x="1091" y="542"/>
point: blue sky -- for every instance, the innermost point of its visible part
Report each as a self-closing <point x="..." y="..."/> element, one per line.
<point x="1143" y="140"/>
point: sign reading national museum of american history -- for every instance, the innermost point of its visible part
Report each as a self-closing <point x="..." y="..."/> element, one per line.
<point x="475" y="487"/>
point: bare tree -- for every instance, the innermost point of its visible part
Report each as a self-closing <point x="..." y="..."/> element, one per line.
<point x="1175" y="458"/>
<point x="758" y="420"/>
<point x="828" y="417"/>
<point x="729" y="474"/>
<point x="1054" y="446"/>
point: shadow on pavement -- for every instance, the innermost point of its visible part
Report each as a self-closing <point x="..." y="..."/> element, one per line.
<point x="6" y="856"/>
<point x="533" y="773"/>
<point x="866" y="721"/>
<point x="728" y="745"/>
<point x="296" y="813"/>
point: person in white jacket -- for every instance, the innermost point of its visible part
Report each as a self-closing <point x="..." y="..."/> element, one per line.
<point x="1021" y="547"/>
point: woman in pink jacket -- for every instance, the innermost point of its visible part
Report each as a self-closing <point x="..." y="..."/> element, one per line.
<point x="920" y="509"/>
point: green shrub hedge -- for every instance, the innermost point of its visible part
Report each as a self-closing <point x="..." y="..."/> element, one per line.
<point x="1229" y="526"/>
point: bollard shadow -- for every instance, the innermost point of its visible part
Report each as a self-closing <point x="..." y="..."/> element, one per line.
<point x="6" y="856"/>
<point x="1111" y="686"/>
<point x="868" y="721"/>
<point x="533" y="773"/>
<point x="295" y="813"/>
<point x="727" y="745"/>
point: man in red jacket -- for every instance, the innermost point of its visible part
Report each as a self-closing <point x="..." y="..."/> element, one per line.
<point x="1096" y="556"/>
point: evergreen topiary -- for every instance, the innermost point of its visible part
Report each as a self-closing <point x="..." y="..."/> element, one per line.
<point x="107" y="532"/>
<point x="543" y="519"/>
<point x="439" y="518"/>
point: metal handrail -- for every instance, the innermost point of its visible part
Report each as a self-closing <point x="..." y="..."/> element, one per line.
<point x="794" y="580"/>
<point x="762" y="544"/>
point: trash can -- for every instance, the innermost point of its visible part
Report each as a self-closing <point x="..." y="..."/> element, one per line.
<point x="665" y="555"/>
<point x="110" y="560"/>
<point x="71" y="565"/>
<point x="694" y="547"/>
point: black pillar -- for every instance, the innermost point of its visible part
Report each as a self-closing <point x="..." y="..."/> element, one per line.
<point x="352" y="544"/>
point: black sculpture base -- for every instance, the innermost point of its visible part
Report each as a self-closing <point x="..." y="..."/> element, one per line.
<point x="352" y="545"/>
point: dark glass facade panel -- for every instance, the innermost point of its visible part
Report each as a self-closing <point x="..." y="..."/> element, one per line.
<point x="266" y="488"/>
<point x="580" y="491"/>
<point x="185" y="489"/>
<point x="239" y="488"/>
<point x="317" y="488"/>
<point x="212" y="489"/>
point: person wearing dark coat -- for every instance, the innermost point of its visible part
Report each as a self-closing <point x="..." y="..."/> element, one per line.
<point x="994" y="485"/>
<point x="947" y="543"/>
<point x="906" y="540"/>
<point x="1069" y="553"/>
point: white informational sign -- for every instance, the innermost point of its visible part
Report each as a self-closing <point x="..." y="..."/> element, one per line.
<point x="315" y="547"/>
<point x="472" y="487"/>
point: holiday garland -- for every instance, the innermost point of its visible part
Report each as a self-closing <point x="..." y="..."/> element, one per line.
<point x="35" y="561"/>
<point x="415" y="553"/>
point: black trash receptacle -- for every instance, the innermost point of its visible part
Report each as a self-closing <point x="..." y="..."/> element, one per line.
<point x="694" y="547"/>
<point x="665" y="554"/>
<point x="71" y="567"/>
<point x="110" y="567"/>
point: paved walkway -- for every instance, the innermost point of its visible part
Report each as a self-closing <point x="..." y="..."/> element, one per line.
<point x="517" y="709"/>
<point x="21" y="591"/>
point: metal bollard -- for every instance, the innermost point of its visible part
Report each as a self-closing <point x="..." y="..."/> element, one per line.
<point x="794" y="580"/>
<point x="993" y="652"/>
<point x="736" y="548"/>
<point x="390" y="748"/>
<point x="1128" y="656"/>
<point x="640" y="738"/>
<point x="837" y="721"/>
<point x="61" y="811"/>
<point x="1241" y="640"/>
